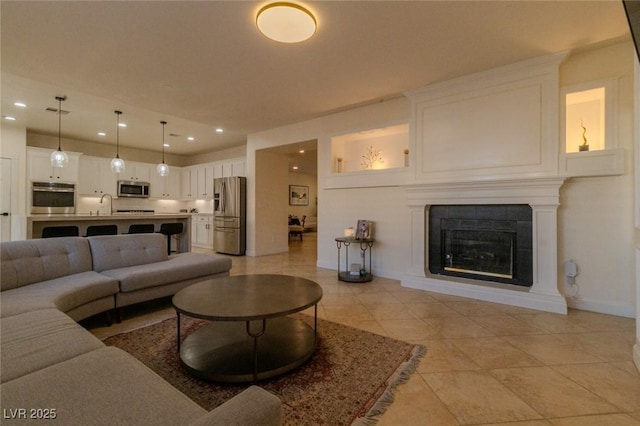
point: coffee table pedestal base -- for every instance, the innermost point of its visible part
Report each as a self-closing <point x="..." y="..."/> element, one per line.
<point x="223" y="351"/>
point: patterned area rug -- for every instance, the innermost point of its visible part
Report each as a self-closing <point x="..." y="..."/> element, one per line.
<point x="349" y="379"/>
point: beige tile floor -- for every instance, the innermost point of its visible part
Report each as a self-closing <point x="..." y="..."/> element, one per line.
<point x="486" y="363"/>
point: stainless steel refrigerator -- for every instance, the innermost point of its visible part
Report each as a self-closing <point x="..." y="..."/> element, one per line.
<point x="229" y="215"/>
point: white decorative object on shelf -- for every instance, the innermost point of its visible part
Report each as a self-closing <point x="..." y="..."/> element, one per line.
<point x="372" y="159"/>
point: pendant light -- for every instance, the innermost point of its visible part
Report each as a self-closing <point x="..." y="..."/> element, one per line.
<point x="59" y="158"/>
<point x="163" y="169"/>
<point x="117" y="164"/>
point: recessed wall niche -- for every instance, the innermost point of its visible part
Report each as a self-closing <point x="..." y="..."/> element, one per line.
<point x="586" y="118"/>
<point x="372" y="149"/>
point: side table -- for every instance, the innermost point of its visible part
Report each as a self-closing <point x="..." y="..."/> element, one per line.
<point x="365" y="244"/>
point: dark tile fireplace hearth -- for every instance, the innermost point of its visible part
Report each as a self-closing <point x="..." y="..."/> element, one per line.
<point x="482" y="242"/>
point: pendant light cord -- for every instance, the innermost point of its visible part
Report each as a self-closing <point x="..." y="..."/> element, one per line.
<point x="118" y="133"/>
<point x="163" y="123"/>
<point x="60" y="99"/>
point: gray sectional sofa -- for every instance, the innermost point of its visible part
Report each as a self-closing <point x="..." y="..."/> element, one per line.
<point x="54" y="370"/>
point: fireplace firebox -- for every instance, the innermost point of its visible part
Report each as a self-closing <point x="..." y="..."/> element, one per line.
<point x="482" y="242"/>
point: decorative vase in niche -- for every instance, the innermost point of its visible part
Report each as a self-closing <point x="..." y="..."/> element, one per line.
<point x="585" y="144"/>
<point x="339" y="165"/>
<point x="406" y="158"/>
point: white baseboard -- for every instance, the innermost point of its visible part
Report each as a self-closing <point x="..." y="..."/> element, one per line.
<point x="617" y="309"/>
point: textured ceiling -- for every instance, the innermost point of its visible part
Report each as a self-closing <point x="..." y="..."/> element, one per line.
<point x="202" y="65"/>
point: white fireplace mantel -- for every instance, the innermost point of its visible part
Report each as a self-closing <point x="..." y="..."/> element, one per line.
<point x="542" y="194"/>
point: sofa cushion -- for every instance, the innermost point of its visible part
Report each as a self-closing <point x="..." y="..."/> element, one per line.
<point x="38" y="339"/>
<point x="120" y="251"/>
<point x="64" y="293"/>
<point x="253" y="406"/>
<point x="31" y="261"/>
<point x="179" y="267"/>
<point x="102" y="387"/>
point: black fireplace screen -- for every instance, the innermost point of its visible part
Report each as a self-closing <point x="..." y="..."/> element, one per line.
<point x="481" y="242"/>
<point x="485" y="253"/>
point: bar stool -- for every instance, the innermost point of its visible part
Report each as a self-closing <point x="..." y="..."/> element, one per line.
<point x="141" y="228"/>
<point x="102" y="230"/>
<point x="60" y="231"/>
<point x="170" y="229"/>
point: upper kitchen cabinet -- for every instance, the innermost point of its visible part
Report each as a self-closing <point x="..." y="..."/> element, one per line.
<point x="167" y="187"/>
<point x="197" y="181"/>
<point x="233" y="167"/>
<point x="39" y="166"/>
<point x="189" y="183"/>
<point x="96" y="177"/>
<point x="137" y="171"/>
<point x="206" y="174"/>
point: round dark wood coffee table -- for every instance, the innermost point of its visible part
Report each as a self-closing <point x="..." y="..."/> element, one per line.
<point x="251" y="337"/>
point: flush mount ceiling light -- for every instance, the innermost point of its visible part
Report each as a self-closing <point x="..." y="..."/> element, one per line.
<point x="286" y="22"/>
<point x="59" y="158"/>
<point x="117" y="163"/>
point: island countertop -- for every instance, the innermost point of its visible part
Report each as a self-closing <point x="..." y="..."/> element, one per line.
<point x="36" y="222"/>
<point x="114" y="216"/>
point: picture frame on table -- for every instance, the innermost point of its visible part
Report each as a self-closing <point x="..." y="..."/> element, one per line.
<point x="298" y="195"/>
<point x="364" y="229"/>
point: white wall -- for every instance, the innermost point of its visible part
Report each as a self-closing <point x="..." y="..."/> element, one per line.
<point x="636" y="115"/>
<point x="335" y="207"/>
<point x="596" y="213"/>
<point x="607" y="280"/>
<point x="271" y="185"/>
<point x="13" y="145"/>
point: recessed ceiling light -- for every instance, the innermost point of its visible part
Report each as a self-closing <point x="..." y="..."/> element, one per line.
<point x="166" y="145"/>
<point x="102" y="134"/>
<point x="191" y="138"/>
<point x="9" y="118"/>
<point x="122" y="125"/>
<point x="20" y="104"/>
<point x="286" y="22"/>
<point x="301" y="151"/>
<point x="295" y="167"/>
<point x="219" y="130"/>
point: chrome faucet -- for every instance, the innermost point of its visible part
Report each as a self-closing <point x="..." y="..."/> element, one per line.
<point x="110" y="202"/>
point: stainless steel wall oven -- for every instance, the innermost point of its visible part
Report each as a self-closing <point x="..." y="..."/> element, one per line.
<point x="53" y="198"/>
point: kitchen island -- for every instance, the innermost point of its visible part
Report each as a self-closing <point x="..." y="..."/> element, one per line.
<point x="35" y="224"/>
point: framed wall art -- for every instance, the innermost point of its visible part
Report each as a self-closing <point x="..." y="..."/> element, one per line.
<point x="298" y="195"/>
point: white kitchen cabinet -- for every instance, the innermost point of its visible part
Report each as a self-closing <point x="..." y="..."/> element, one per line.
<point x="39" y="166"/>
<point x="189" y="183"/>
<point x="197" y="182"/>
<point x="202" y="231"/>
<point x="95" y="177"/>
<point x="167" y="187"/>
<point x="137" y="171"/>
<point x="233" y="167"/>
<point x="206" y="174"/>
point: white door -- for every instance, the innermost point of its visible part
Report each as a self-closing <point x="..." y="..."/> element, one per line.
<point x="5" y="199"/>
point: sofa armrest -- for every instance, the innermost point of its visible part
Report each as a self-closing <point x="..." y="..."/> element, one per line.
<point x="253" y="406"/>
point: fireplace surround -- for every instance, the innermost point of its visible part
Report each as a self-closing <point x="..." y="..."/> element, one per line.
<point x="541" y="195"/>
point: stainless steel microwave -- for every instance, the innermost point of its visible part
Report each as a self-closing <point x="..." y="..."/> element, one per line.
<point x="133" y="189"/>
<point x="53" y="197"/>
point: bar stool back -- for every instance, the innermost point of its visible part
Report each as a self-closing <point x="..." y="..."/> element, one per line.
<point x="60" y="231"/>
<point x="102" y="230"/>
<point x="170" y="229"/>
<point x="141" y="228"/>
